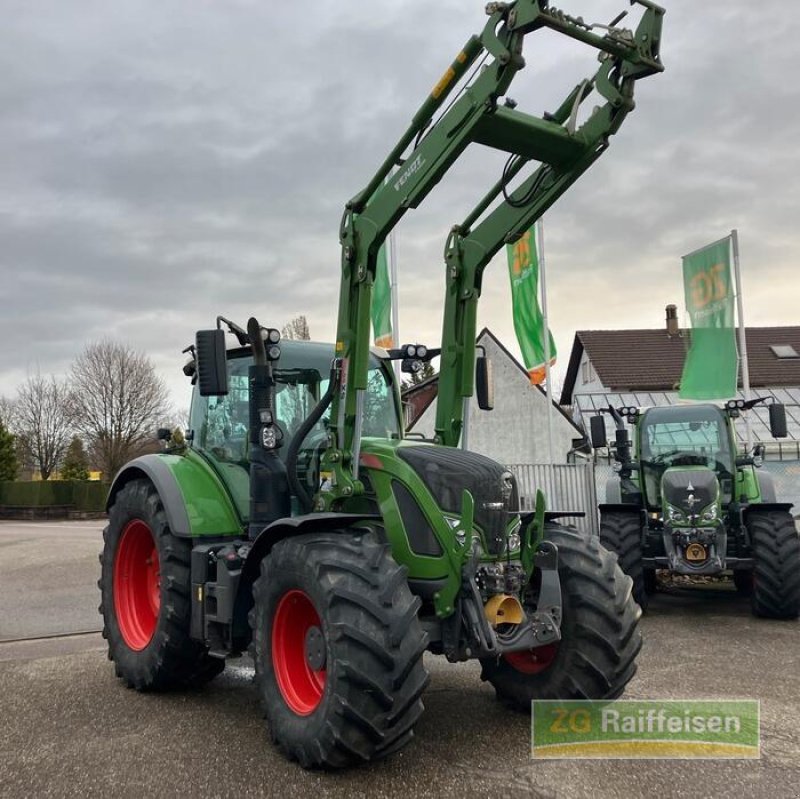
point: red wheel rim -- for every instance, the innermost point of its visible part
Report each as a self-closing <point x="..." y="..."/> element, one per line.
<point x="535" y="661"/>
<point x="137" y="585"/>
<point x="301" y="686"/>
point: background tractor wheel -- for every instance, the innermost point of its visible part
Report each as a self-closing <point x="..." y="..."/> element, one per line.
<point x="337" y="648"/>
<point x="622" y="533"/>
<point x="145" y="589"/>
<point x="595" y="658"/>
<point x="776" y="573"/>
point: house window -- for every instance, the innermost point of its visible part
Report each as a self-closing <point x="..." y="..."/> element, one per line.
<point x="784" y="351"/>
<point x="587" y="373"/>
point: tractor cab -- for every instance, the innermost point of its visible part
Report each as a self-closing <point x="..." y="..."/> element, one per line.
<point x="676" y="439"/>
<point x="220" y="423"/>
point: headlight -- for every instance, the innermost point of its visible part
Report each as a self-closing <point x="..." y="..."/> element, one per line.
<point x="675" y="515"/>
<point x="711" y="514"/>
<point x="513" y="542"/>
<point x="269" y="439"/>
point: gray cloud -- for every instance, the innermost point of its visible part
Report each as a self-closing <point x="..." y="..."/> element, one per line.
<point x="165" y="162"/>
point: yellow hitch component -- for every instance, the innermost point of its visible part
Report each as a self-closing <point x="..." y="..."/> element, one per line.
<point x="503" y="609"/>
<point x="696" y="552"/>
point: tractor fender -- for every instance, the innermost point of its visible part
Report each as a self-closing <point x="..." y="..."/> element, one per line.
<point x="766" y="487"/>
<point x="195" y="500"/>
<point x="294" y="526"/>
<point x="620" y="507"/>
<point x="760" y="507"/>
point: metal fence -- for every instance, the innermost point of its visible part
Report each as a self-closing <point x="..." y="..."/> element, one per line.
<point x="567" y="487"/>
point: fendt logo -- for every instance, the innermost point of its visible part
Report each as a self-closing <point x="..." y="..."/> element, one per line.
<point x="413" y="167"/>
<point x="709" y="286"/>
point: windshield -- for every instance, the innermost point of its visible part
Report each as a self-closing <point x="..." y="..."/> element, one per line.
<point x="695" y="435"/>
<point x="220" y="424"/>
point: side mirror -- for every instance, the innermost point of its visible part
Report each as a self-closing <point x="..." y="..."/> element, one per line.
<point x="777" y="420"/>
<point x="212" y="374"/>
<point x="484" y="383"/>
<point x="597" y="429"/>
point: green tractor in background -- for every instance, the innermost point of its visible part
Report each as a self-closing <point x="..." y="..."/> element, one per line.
<point x="684" y="501"/>
<point x="294" y="520"/>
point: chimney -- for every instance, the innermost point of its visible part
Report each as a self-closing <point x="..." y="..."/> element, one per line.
<point x="673" y="329"/>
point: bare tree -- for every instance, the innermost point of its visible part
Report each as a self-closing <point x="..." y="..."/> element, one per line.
<point x="297" y="329"/>
<point x="7" y="412"/>
<point x="118" y="401"/>
<point x="42" y="418"/>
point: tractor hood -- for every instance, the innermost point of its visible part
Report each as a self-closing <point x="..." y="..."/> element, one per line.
<point x="691" y="490"/>
<point x="447" y="471"/>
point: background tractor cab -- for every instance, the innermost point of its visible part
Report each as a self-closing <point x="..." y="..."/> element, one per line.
<point x="684" y="501"/>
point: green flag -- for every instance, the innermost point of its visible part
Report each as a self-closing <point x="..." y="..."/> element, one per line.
<point x="523" y="269"/>
<point x="710" y="369"/>
<point x="382" y="302"/>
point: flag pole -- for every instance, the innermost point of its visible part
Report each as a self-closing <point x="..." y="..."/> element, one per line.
<point x="742" y="336"/>
<point x="546" y="334"/>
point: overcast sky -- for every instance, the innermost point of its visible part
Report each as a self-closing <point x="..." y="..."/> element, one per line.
<point x="165" y="162"/>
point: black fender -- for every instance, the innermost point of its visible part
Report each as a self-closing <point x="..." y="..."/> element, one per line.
<point x="767" y="506"/>
<point x="620" y="507"/>
<point x="293" y="526"/>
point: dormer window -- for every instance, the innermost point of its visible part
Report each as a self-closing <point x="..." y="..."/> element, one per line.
<point x="784" y="351"/>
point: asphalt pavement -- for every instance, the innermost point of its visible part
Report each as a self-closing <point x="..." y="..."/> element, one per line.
<point x="71" y="729"/>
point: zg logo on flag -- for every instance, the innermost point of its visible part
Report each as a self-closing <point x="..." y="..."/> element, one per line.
<point x="521" y="255"/>
<point x="709" y="286"/>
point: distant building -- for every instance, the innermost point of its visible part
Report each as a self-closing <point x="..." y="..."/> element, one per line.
<point x="643" y="368"/>
<point x="515" y="432"/>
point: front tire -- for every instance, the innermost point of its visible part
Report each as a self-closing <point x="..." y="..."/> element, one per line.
<point x="776" y="572"/>
<point x="596" y="657"/>
<point x="622" y="533"/>
<point x="145" y="587"/>
<point x="338" y="649"/>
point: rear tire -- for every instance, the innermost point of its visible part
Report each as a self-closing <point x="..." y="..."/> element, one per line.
<point x="338" y="649"/>
<point x="145" y="588"/>
<point x="622" y="533"/>
<point x="596" y="657"/>
<point x="776" y="573"/>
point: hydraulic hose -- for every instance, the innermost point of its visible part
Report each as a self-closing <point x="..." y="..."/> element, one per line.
<point x="299" y="490"/>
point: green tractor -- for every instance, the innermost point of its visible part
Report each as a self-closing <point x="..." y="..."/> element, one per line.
<point x="294" y="520"/>
<point x="683" y="501"/>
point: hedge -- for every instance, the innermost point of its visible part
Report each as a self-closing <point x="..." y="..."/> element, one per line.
<point x="79" y="494"/>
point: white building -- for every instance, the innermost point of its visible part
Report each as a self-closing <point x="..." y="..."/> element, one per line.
<point x="516" y="431"/>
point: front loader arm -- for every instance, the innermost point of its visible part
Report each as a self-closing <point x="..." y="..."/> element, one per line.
<point x="472" y="244"/>
<point x="474" y="117"/>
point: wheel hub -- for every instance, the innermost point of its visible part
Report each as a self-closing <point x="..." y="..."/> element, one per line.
<point x="315" y="648"/>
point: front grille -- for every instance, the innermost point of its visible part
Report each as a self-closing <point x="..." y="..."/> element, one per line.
<point x="446" y="472"/>
<point x="700" y="484"/>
